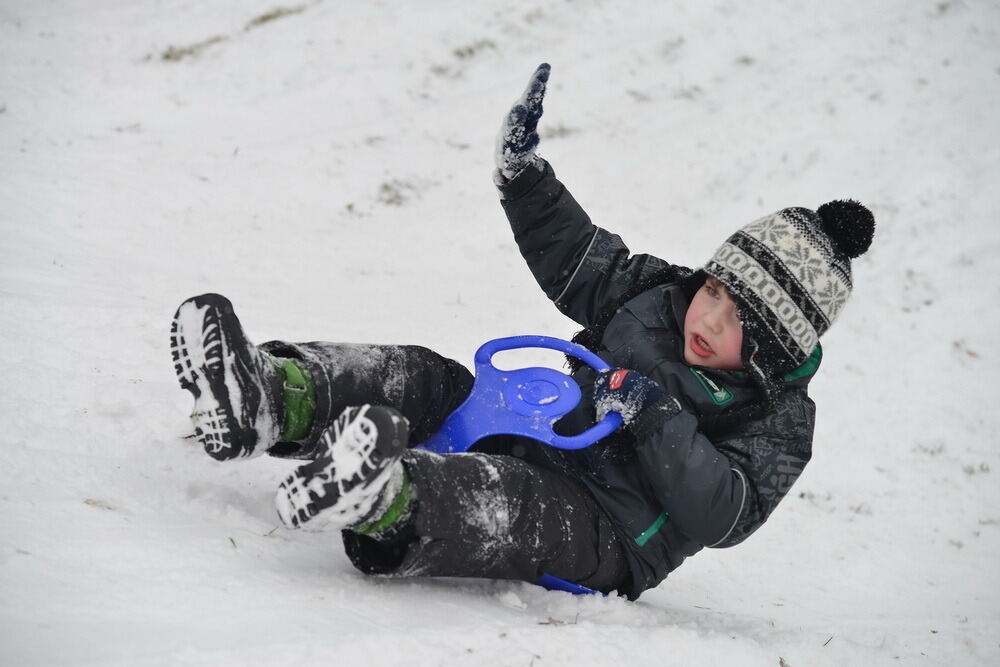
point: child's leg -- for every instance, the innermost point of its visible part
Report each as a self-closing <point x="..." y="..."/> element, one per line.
<point x="279" y="397"/>
<point x="477" y="515"/>
<point x="424" y="386"/>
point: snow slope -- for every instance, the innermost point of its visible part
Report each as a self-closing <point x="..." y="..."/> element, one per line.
<point x="327" y="166"/>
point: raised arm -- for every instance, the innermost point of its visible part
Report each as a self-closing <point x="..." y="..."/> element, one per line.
<point x="582" y="268"/>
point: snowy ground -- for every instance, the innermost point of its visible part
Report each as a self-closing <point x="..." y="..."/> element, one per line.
<point x="327" y="166"/>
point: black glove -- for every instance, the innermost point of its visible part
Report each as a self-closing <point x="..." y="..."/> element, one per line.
<point x="518" y="137"/>
<point x="630" y="393"/>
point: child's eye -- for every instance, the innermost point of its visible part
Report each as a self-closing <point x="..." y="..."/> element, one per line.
<point x="711" y="290"/>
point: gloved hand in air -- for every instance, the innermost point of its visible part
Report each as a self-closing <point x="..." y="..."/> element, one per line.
<point x="518" y="136"/>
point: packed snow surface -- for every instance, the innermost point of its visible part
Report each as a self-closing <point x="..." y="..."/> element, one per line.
<point x="327" y="166"/>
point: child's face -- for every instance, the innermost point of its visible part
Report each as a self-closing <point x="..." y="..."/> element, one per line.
<point x="713" y="333"/>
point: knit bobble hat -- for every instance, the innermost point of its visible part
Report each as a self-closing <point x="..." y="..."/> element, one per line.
<point x="790" y="275"/>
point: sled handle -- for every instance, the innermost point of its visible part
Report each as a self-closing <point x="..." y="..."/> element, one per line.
<point x="525" y="401"/>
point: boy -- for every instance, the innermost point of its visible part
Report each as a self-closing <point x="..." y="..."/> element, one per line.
<point x="711" y="369"/>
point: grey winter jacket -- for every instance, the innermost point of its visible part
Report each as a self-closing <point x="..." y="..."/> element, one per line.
<point x="678" y="491"/>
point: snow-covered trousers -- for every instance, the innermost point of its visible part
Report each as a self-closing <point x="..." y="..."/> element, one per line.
<point x="499" y="515"/>
<point x="418" y="382"/>
<point x="496" y="516"/>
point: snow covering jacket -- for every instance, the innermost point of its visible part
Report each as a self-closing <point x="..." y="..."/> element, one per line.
<point x="679" y="491"/>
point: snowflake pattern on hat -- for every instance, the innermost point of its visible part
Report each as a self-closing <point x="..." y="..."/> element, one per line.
<point x="789" y="279"/>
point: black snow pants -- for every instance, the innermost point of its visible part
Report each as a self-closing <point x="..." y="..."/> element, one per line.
<point x="501" y="515"/>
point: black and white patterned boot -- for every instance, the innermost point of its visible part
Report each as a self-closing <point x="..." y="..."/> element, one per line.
<point x="237" y="393"/>
<point x="359" y="455"/>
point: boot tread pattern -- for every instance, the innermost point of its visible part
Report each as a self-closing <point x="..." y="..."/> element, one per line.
<point x="198" y="351"/>
<point x="344" y="483"/>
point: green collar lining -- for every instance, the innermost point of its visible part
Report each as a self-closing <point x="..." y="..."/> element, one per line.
<point x="808" y="367"/>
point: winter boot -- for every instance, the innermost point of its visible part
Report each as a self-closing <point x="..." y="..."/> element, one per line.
<point x="357" y="478"/>
<point x="238" y="406"/>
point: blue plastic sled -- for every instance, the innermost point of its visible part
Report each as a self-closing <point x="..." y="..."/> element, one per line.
<point x="525" y="402"/>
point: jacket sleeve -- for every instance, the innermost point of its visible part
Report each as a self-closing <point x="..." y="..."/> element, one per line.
<point x="719" y="494"/>
<point x="582" y="268"/>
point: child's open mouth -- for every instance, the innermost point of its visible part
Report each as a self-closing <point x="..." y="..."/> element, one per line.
<point x="700" y="346"/>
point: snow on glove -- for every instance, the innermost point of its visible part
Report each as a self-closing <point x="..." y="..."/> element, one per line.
<point x="518" y="136"/>
<point x="630" y="393"/>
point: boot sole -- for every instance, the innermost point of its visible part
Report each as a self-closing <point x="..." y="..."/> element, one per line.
<point x="345" y="494"/>
<point x="206" y="362"/>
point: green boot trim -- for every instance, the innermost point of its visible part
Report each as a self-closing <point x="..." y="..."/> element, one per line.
<point x="395" y="511"/>
<point x="298" y="393"/>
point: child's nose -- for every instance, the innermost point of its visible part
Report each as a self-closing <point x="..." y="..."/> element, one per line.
<point x="713" y="320"/>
